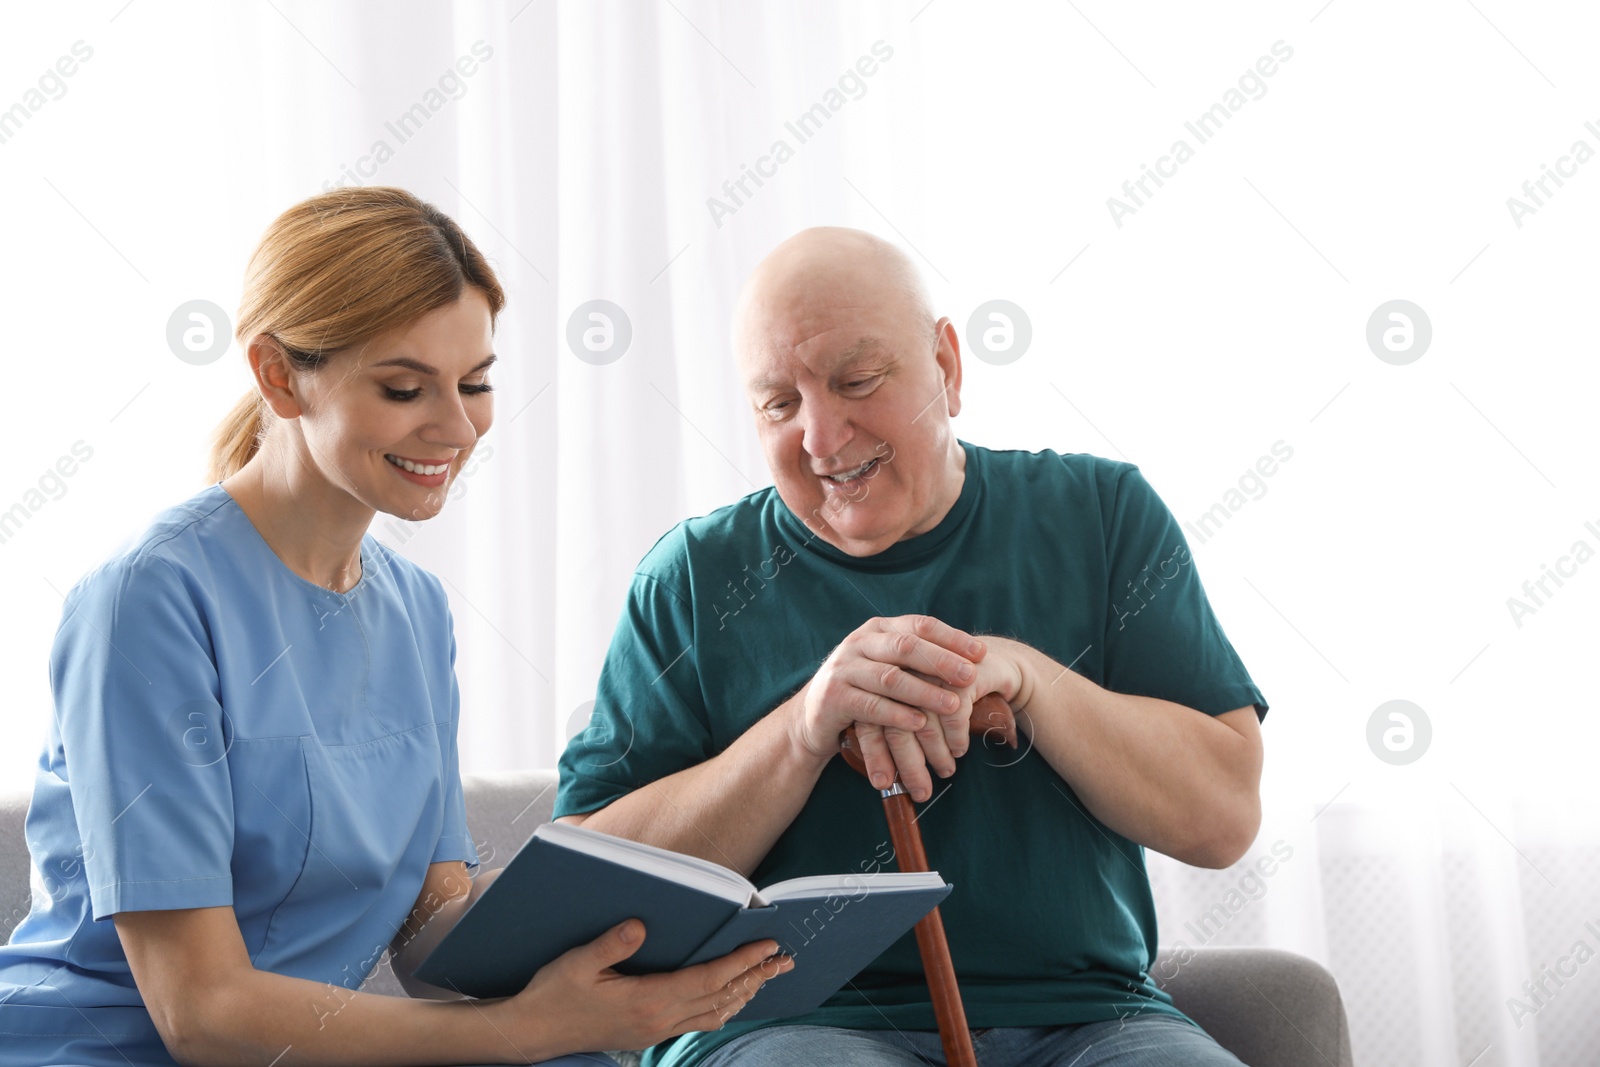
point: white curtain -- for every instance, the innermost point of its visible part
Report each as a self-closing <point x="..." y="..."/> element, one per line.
<point x="1196" y="325"/>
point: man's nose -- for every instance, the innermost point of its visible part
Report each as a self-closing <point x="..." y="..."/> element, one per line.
<point x="827" y="427"/>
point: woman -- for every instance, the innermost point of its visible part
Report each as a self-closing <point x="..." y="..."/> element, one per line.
<point x="252" y="770"/>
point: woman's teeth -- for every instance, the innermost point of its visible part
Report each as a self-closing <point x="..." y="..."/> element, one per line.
<point x="417" y="468"/>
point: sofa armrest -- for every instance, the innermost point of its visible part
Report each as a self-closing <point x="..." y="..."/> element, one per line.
<point x="1268" y="1007"/>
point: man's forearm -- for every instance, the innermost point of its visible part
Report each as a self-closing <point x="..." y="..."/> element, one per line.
<point x="731" y="808"/>
<point x="1167" y="776"/>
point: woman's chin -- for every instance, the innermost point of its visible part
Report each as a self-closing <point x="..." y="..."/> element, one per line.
<point x="414" y="512"/>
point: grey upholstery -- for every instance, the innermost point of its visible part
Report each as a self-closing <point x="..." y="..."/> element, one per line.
<point x="1271" y="1008"/>
<point x="13" y="863"/>
<point x="1268" y="1007"/>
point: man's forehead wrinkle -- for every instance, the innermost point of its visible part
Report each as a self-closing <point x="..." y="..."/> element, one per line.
<point x="817" y="357"/>
<point x="821" y="354"/>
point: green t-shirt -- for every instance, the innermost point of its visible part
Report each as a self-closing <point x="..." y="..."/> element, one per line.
<point x="1051" y="920"/>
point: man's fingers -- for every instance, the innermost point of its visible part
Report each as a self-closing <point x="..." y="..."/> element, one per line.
<point x="908" y="757"/>
<point x="875" y="754"/>
<point x="940" y="633"/>
<point x="869" y="706"/>
<point x="909" y="683"/>
<point x="956" y="725"/>
<point x="914" y="652"/>
<point x="936" y="746"/>
<point x="957" y="733"/>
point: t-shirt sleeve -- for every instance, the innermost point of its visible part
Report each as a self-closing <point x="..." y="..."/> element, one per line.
<point x="145" y="740"/>
<point x="649" y="717"/>
<point x="1162" y="638"/>
<point x="455" y="840"/>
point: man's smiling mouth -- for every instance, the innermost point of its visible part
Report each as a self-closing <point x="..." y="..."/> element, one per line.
<point x="858" y="472"/>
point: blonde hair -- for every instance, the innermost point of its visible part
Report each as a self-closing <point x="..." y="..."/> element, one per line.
<point x="336" y="270"/>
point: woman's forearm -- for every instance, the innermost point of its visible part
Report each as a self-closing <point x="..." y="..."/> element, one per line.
<point x="263" y="1018"/>
<point x="435" y="915"/>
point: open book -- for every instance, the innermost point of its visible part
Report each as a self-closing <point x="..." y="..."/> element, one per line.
<point x="568" y="885"/>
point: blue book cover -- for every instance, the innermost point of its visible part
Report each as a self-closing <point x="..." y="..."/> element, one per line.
<point x="568" y="885"/>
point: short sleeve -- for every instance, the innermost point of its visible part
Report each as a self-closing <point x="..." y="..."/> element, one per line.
<point x="455" y="840"/>
<point x="144" y="740"/>
<point x="1162" y="638"/>
<point x="649" y="717"/>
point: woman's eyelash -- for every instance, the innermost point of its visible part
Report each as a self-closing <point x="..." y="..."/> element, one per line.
<point x="412" y="394"/>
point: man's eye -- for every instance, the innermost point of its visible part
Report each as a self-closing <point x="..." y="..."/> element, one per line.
<point x="778" y="409"/>
<point x="859" y="383"/>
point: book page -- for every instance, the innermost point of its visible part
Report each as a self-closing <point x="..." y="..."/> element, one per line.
<point x="692" y="871"/>
<point x="847" y="885"/>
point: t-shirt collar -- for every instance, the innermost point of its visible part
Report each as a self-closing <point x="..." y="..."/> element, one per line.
<point x="902" y="553"/>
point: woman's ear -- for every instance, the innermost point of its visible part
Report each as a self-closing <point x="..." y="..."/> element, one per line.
<point x="274" y="375"/>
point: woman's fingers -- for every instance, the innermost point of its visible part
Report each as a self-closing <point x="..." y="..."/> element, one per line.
<point x="707" y="979"/>
<point x="716" y="1009"/>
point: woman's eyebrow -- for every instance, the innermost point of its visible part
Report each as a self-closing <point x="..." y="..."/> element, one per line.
<point x="423" y="368"/>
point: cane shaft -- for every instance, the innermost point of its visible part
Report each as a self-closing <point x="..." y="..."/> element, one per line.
<point x="991" y="718"/>
<point x="931" y="942"/>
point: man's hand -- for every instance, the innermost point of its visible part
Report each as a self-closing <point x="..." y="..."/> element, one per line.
<point x="1004" y="670"/>
<point x="911" y="674"/>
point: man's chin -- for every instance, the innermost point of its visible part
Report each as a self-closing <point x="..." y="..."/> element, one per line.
<point x="858" y="538"/>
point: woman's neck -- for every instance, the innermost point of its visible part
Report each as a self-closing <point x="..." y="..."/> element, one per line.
<point x="315" y="528"/>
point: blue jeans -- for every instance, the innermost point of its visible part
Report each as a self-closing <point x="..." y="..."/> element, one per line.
<point x="1139" y="1041"/>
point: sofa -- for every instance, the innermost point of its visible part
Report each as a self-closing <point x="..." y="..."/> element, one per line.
<point x="1270" y="1008"/>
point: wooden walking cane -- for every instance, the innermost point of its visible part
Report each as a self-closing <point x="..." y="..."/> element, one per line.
<point x="991" y="714"/>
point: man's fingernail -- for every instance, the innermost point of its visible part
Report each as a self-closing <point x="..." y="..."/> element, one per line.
<point x="975" y="648"/>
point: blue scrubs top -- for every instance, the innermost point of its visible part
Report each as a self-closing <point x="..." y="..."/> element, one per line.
<point x="228" y="733"/>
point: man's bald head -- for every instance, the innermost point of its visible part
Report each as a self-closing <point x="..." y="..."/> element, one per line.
<point x="820" y="268"/>
<point x="853" y="384"/>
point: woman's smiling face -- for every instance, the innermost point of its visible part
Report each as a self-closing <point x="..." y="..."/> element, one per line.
<point x="391" y="422"/>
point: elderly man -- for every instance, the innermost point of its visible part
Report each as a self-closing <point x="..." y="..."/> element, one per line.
<point x="891" y="576"/>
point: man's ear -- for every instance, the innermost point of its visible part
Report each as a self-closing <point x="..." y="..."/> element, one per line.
<point x="274" y="375"/>
<point x="948" y="356"/>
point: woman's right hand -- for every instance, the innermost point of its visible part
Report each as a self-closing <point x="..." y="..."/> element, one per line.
<point x="579" y="1003"/>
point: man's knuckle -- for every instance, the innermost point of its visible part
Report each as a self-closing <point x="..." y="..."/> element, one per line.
<point x="886" y="675"/>
<point x="860" y="704"/>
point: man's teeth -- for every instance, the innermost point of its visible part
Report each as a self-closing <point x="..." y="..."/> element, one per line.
<point x="417" y="468"/>
<point x="858" y="472"/>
